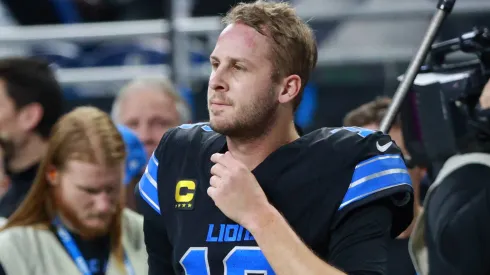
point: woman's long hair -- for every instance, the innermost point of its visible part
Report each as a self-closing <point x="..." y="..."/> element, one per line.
<point x="84" y="134"/>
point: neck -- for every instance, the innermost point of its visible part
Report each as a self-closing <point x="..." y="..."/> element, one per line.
<point x="68" y="224"/>
<point x="29" y="154"/>
<point x="252" y="152"/>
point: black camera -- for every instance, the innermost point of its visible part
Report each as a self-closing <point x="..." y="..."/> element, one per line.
<point x="440" y="113"/>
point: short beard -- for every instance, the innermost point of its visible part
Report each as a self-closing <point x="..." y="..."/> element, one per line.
<point x="255" y="120"/>
<point x="77" y="226"/>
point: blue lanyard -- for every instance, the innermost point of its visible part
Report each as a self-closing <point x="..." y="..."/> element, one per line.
<point x="75" y="253"/>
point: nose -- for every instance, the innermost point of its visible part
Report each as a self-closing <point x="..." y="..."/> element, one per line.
<point x="103" y="202"/>
<point x="143" y="132"/>
<point x="217" y="81"/>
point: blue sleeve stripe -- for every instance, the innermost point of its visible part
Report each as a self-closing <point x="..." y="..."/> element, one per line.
<point x="152" y="167"/>
<point x="149" y="191"/>
<point x="374" y="183"/>
<point x="378" y="164"/>
<point x="363" y="132"/>
<point x="360" y="131"/>
<point x="360" y="197"/>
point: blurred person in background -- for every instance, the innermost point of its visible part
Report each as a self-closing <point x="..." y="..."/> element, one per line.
<point x="369" y="116"/>
<point x="150" y="106"/>
<point x="4" y="183"/>
<point x="42" y="12"/>
<point x="135" y="163"/>
<point x="31" y="102"/>
<point x="451" y="236"/>
<point x="4" y="180"/>
<point x="73" y="220"/>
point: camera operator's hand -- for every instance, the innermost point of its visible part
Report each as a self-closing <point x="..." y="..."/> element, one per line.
<point x="485" y="97"/>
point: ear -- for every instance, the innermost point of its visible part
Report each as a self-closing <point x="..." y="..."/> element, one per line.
<point x="291" y="87"/>
<point x="30" y="116"/>
<point x="52" y="175"/>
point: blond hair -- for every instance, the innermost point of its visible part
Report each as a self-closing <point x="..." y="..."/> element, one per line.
<point x="294" y="49"/>
<point x="84" y="134"/>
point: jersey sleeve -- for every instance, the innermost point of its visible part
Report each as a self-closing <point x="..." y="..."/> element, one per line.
<point x="148" y="201"/>
<point x="148" y="186"/>
<point x="153" y="192"/>
<point x="379" y="174"/>
<point x="365" y="230"/>
<point x="158" y="247"/>
<point x="147" y="190"/>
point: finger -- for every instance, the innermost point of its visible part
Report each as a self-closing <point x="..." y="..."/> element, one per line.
<point x="215" y="181"/>
<point x="228" y="160"/>
<point x="224" y="159"/>
<point x="212" y="192"/>
<point x="219" y="170"/>
<point x="216" y="158"/>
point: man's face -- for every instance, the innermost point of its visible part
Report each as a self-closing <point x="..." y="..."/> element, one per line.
<point x="11" y="134"/>
<point x="88" y="195"/>
<point x="149" y="114"/>
<point x="397" y="135"/>
<point x="242" y="98"/>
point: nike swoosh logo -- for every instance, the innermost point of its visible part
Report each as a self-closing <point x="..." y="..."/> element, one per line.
<point x="385" y="147"/>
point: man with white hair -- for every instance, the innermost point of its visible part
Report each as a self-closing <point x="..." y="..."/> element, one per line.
<point x="150" y="106"/>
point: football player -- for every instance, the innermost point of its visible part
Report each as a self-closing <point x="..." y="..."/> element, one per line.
<point x="246" y="194"/>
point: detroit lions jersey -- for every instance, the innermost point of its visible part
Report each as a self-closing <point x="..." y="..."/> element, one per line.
<point x="315" y="181"/>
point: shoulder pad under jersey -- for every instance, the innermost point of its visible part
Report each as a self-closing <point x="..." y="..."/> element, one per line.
<point x="379" y="171"/>
<point x="174" y="147"/>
